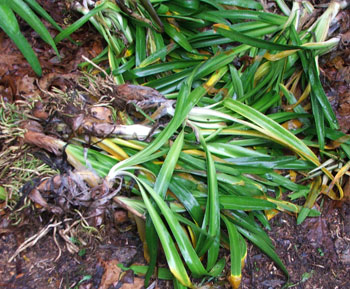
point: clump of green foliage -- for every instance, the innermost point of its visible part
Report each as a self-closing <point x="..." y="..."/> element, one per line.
<point x="225" y="172"/>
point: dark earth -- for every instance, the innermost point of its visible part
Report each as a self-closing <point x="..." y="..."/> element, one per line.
<point x="316" y="253"/>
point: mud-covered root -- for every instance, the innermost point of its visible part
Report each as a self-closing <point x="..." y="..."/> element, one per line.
<point x="61" y="193"/>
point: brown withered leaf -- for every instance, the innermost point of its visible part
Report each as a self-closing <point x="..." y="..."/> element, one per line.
<point x="318" y="235"/>
<point x="61" y="81"/>
<point x="127" y="277"/>
<point x="336" y="62"/>
<point x="131" y="92"/>
<point x="87" y="125"/>
<point x="344" y="74"/>
<point x="39" y="111"/>
<point x="137" y="284"/>
<point x="113" y="275"/>
<point x="34" y="135"/>
<point x="57" y="194"/>
<point x="6" y="61"/>
<point x="101" y="113"/>
<point x="37" y="198"/>
<point x="26" y="87"/>
<point x="120" y="216"/>
<point x="344" y="105"/>
<point x="8" y="88"/>
<point x="343" y="111"/>
<point x="122" y="95"/>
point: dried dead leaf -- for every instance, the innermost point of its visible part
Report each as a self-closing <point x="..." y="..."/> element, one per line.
<point x="120" y="216"/>
<point x="318" y="236"/>
<point x="62" y="81"/>
<point x="39" y="111"/>
<point x="7" y="87"/>
<point x="34" y="135"/>
<point x="138" y="284"/>
<point x="113" y="275"/>
<point x="130" y="92"/>
<point x="336" y="62"/>
<point x="101" y="113"/>
<point x="344" y="74"/>
<point x="26" y="86"/>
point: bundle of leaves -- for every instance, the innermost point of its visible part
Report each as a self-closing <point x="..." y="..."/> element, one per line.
<point x="226" y="106"/>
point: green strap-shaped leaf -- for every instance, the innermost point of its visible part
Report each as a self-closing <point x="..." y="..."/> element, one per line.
<point x="159" y="68"/>
<point x="310" y="201"/>
<point x="235" y="251"/>
<point x="140" y="45"/>
<point x="187" y="251"/>
<point x="242" y="219"/>
<point x="318" y="113"/>
<point x="172" y="79"/>
<point x="233" y="151"/>
<point x="214" y="206"/>
<point x="77" y="24"/>
<point x="233" y="34"/>
<point x="148" y="6"/>
<point x="186" y="197"/>
<point x="242" y="3"/>
<point x="158" y="55"/>
<point x="165" y="174"/>
<point x="245" y="203"/>
<point x="185" y="102"/>
<point x="318" y="91"/>
<point x="239" y="15"/>
<point x="177" y="36"/>
<point x="174" y="261"/>
<point x="27" y="14"/>
<point x="9" y="24"/>
<point x="188" y="4"/>
<point x="310" y="68"/>
<point x="152" y="242"/>
<point x="163" y="273"/>
<point x="38" y="9"/>
<point x="268" y="250"/>
<point x="272" y="129"/>
<point x="236" y="81"/>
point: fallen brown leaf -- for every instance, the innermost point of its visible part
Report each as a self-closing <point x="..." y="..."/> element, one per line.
<point x="113" y="274"/>
<point x="138" y="284"/>
<point x="26" y="86"/>
<point x="120" y="216"/>
<point x="34" y="135"/>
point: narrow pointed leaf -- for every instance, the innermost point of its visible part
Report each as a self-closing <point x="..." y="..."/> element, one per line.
<point x="9" y="24"/>
<point x="268" y="250"/>
<point x="187" y="251"/>
<point x="38" y="9"/>
<point x="245" y="203"/>
<point x="24" y="11"/>
<point x="167" y="169"/>
<point x="214" y="207"/>
<point x="236" y="274"/>
<point x="273" y="129"/>
<point x="177" y="36"/>
<point x="233" y="34"/>
<point x="77" y="24"/>
<point x="174" y="261"/>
